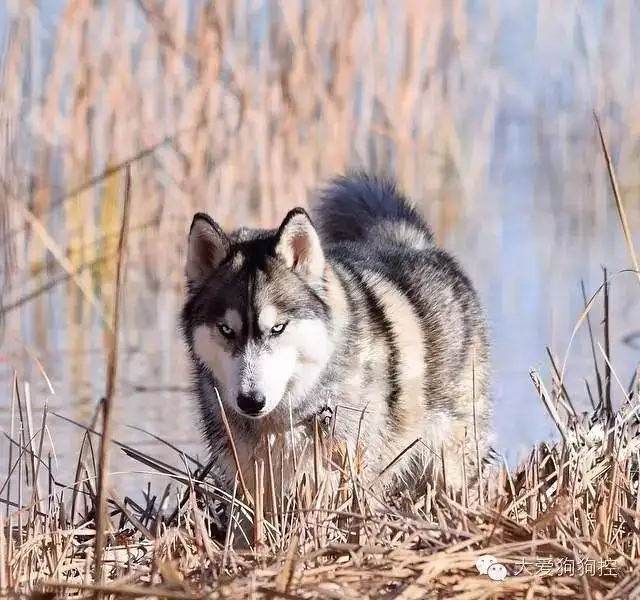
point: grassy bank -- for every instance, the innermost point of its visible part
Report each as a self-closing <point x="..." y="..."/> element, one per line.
<point x="210" y="116"/>
<point x="243" y="107"/>
<point x="565" y="524"/>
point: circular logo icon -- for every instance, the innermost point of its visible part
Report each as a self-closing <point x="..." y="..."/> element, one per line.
<point x="497" y="571"/>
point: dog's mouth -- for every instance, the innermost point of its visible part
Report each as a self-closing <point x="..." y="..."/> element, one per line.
<point x="260" y="416"/>
<point x="255" y="414"/>
<point x="282" y="420"/>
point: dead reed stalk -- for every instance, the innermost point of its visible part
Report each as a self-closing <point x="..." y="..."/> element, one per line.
<point x="107" y="402"/>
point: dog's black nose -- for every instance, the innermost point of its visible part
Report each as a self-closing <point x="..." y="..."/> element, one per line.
<point x="251" y="403"/>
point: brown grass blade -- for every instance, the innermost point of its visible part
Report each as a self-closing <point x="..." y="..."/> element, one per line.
<point x="103" y="465"/>
<point x="622" y="214"/>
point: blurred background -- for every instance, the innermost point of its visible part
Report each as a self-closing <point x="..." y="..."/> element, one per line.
<point x="482" y="109"/>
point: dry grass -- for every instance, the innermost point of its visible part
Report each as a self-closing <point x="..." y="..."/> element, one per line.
<point x="566" y="524"/>
<point x="245" y="104"/>
<point x="243" y="107"/>
<point x="239" y="108"/>
<point x="204" y="113"/>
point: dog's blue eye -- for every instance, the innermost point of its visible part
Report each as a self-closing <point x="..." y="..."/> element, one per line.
<point x="278" y="329"/>
<point x="226" y="331"/>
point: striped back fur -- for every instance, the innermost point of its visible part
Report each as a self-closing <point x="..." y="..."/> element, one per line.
<point x="415" y="313"/>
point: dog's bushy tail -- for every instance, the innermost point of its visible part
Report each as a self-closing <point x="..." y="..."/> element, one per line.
<point x="359" y="206"/>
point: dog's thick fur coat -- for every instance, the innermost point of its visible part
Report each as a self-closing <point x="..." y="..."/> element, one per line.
<point x="354" y="310"/>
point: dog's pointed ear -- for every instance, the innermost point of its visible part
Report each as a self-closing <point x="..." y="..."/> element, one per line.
<point x="207" y="248"/>
<point x="299" y="245"/>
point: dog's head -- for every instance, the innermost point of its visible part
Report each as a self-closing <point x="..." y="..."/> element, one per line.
<point x="256" y="316"/>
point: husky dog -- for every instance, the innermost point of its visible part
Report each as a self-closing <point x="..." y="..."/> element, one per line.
<point x="354" y="310"/>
